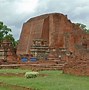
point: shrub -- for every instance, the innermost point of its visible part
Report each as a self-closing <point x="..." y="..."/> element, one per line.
<point x="31" y="74"/>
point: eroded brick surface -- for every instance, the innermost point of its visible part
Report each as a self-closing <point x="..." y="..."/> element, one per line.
<point x="55" y="28"/>
<point x="59" y="32"/>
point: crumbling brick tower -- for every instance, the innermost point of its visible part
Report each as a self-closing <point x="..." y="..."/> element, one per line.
<point x="60" y="34"/>
<point x="56" y="28"/>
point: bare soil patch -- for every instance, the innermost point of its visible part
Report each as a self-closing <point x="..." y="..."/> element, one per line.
<point x="19" y="74"/>
<point x="12" y="74"/>
<point x="14" y="87"/>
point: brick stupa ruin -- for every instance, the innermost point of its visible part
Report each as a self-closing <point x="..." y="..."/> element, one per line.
<point x="60" y="34"/>
<point x="56" y="28"/>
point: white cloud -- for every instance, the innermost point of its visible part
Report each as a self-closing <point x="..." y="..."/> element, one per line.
<point x="77" y="10"/>
<point x="26" y="6"/>
<point x="15" y="12"/>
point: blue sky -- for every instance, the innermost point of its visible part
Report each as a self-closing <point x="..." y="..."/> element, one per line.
<point x="15" y="12"/>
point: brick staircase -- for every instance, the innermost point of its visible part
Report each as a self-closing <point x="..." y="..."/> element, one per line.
<point x="52" y="64"/>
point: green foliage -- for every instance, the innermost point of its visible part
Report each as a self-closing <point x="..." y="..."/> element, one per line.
<point x="15" y="43"/>
<point x="5" y="33"/>
<point x="4" y="87"/>
<point x="51" y="80"/>
<point x="1" y="25"/>
<point x="82" y="26"/>
<point x="11" y="39"/>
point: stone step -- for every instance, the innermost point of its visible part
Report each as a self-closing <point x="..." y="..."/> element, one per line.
<point x="44" y="67"/>
<point x="34" y="66"/>
<point x="50" y="68"/>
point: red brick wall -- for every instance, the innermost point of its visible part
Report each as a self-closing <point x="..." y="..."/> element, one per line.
<point x="56" y="28"/>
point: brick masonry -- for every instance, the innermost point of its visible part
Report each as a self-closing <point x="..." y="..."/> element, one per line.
<point x="59" y="32"/>
<point x="56" y="28"/>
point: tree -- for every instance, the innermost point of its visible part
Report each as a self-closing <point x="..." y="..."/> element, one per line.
<point x="1" y="32"/>
<point x="11" y="39"/>
<point x="4" y="31"/>
<point x="83" y="26"/>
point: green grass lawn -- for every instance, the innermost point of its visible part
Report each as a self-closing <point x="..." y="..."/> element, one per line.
<point x="4" y="88"/>
<point x="53" y="80"/>
<point x="13" y="71"/>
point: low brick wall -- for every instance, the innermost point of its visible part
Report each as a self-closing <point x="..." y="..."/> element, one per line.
<point x="79" y="65"/>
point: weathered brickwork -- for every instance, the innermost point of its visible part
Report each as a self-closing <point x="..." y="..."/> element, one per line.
<point x="60" y="33"/>
<point x="7" y="53"/>
<point x="79" y="64"/>
<point x="55" y="28"/>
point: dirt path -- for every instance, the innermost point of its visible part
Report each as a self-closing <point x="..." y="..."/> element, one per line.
<point x="14" y="87"/>
<point x="18" y="74"/>
<point x="12" y="74"/>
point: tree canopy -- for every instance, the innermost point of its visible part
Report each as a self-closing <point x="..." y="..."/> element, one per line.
<point x="83" y="26"/>
<point x="5" y="33"/>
